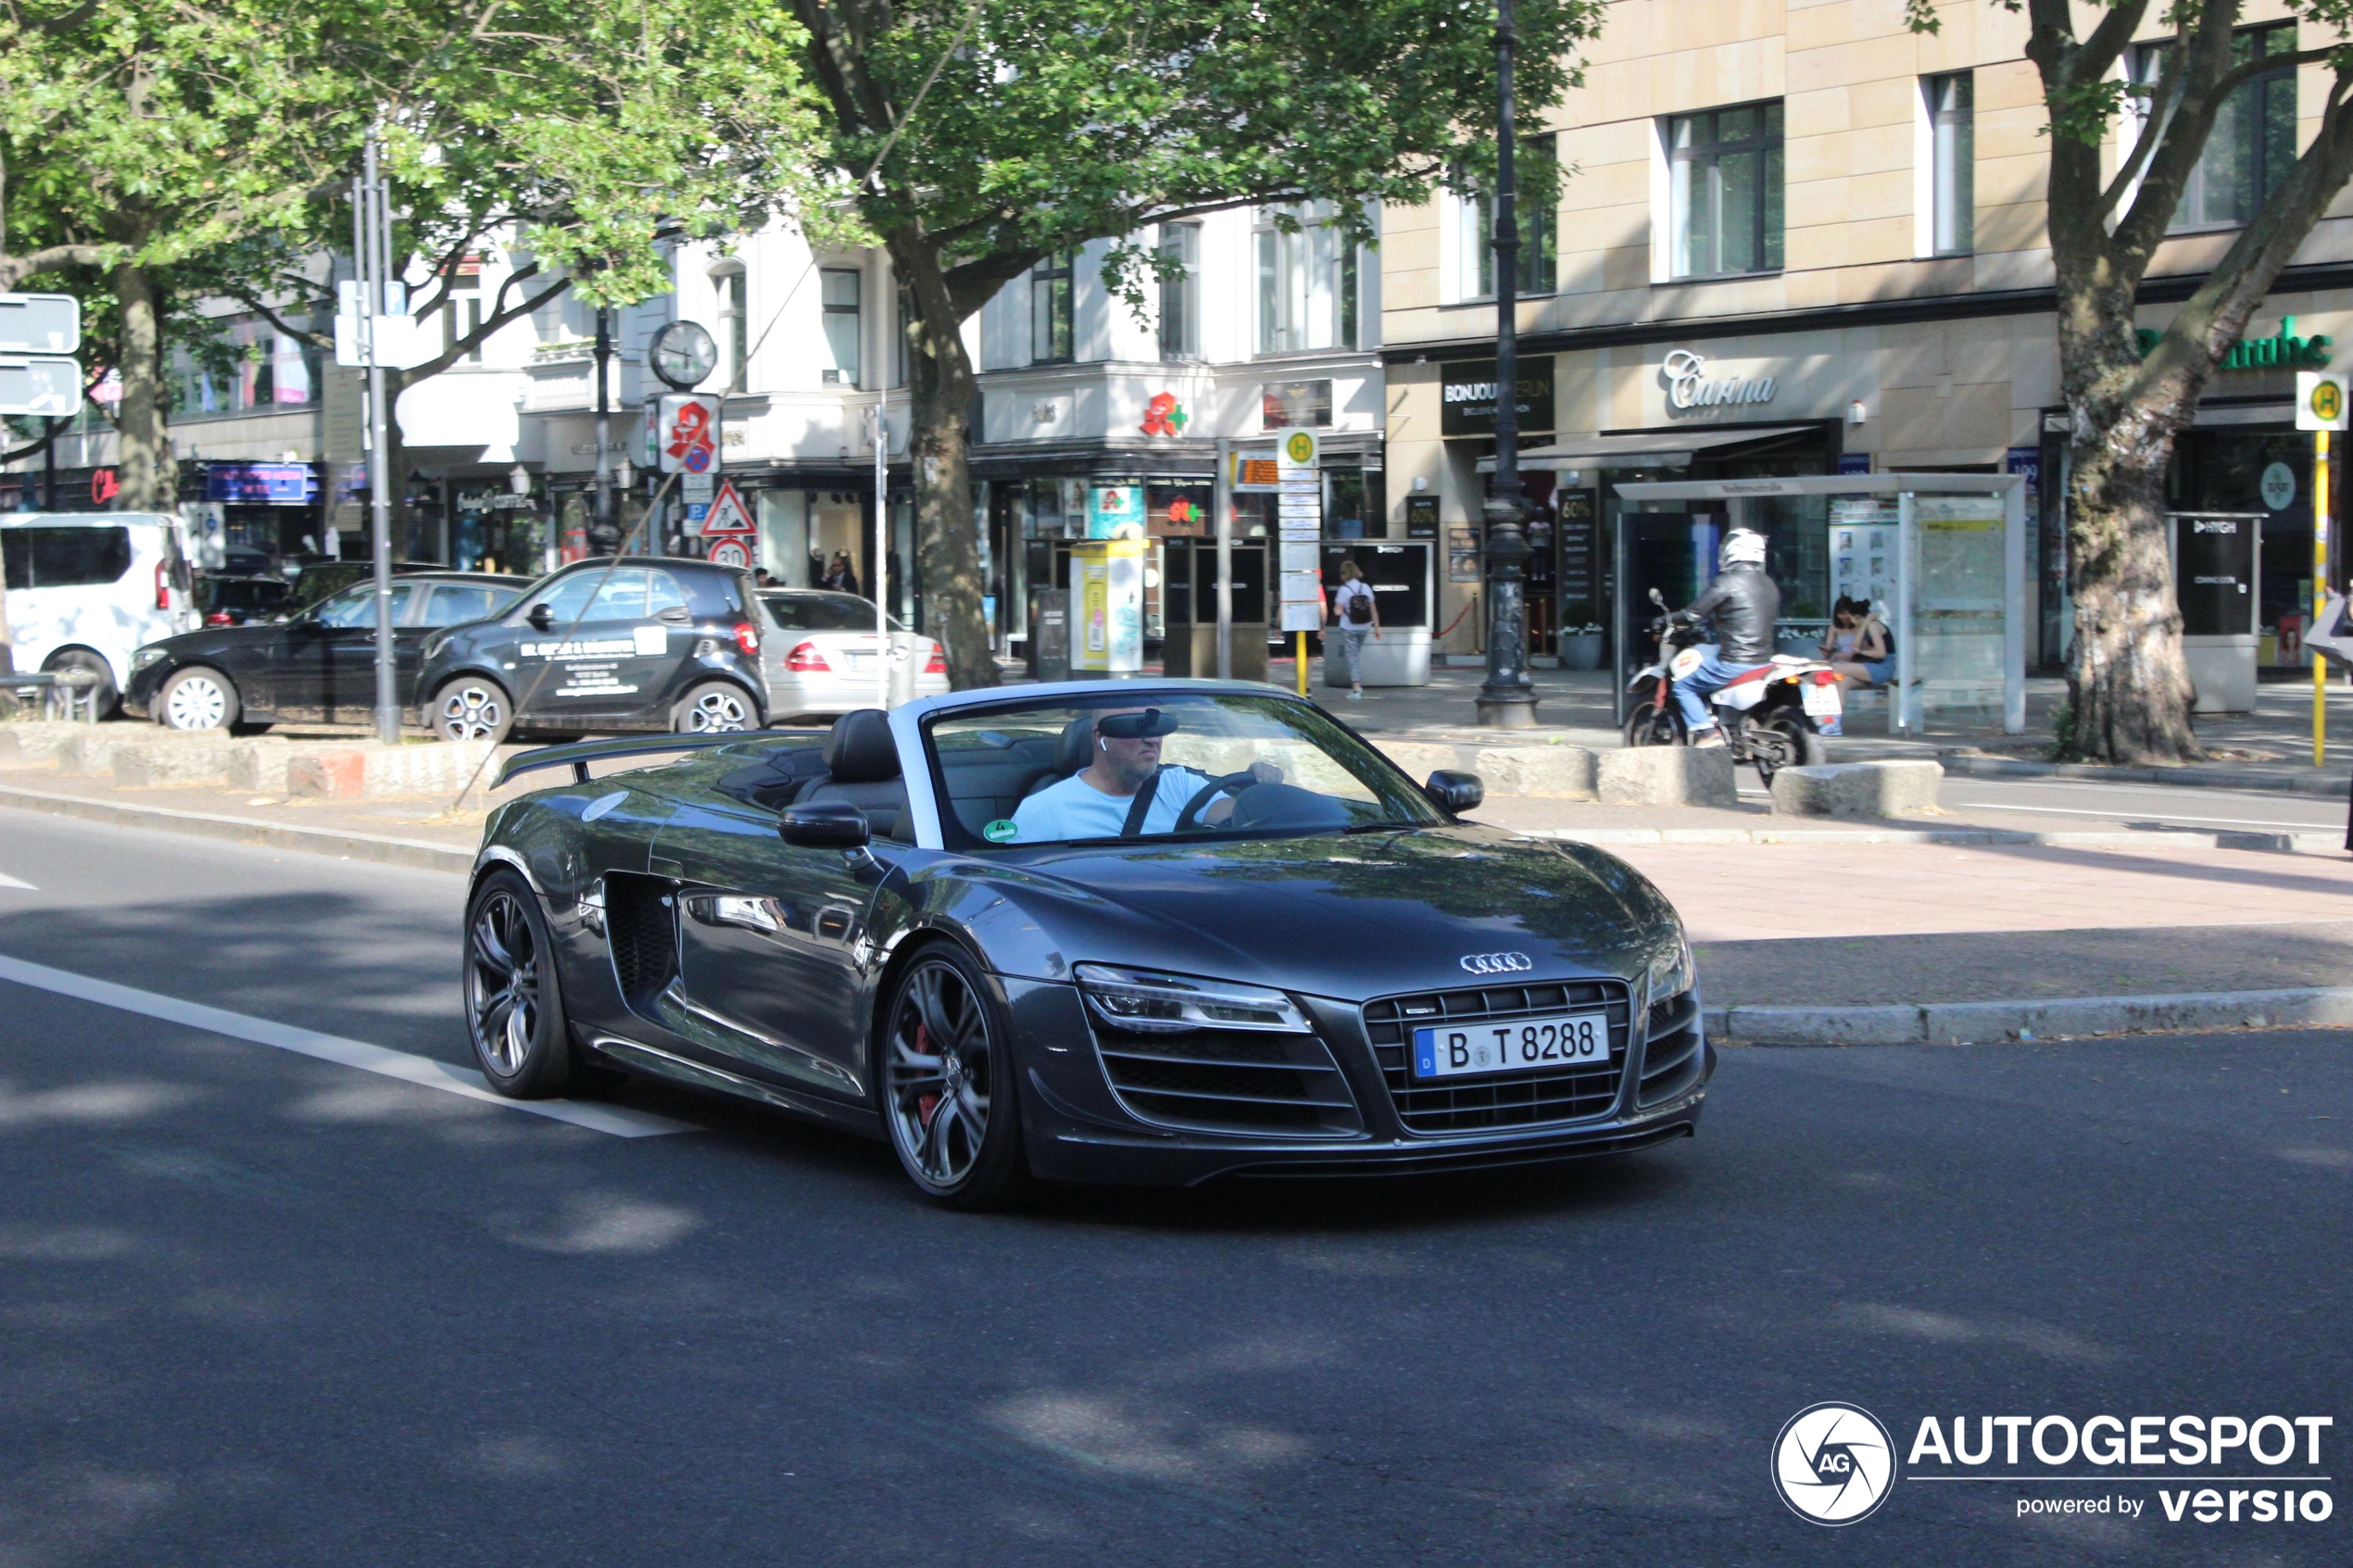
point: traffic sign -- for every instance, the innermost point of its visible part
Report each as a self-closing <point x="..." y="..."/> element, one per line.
<point x="2320" y="402"/>
<point x="729" y="514"/>
<point x="40" y="323"/>
<point x="44" y="384"/>
<point x="731" y="549"/>
<point x="1298" y="452"/>
<point x="687" y="440"/>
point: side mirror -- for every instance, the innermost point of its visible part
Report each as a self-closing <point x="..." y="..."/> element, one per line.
<point x="1454" y="792"/>
<point x="541" y="619"/>
<point x="825" y="824"/>
<point x="1658" y="599"/>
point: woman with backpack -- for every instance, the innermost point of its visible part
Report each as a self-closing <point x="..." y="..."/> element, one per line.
<point x="1353" y="614"/>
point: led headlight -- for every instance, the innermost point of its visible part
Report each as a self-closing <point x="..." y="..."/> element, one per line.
<point x="1172" y="1004"/>
<point x="145" y="656"/>
<point x="1672" y="973"/>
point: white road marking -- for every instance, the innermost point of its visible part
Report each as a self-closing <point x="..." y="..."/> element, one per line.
<point x="7" y="881"/>
<point x="421" y="1070"/>
<point x="2144" y="816"/>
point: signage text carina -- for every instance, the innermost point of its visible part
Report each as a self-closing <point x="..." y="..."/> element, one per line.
<point x="1688" y="386"/>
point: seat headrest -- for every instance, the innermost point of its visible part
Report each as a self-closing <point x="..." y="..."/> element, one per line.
<point x="1078" y="746"/>
<point x="860" y="749"/>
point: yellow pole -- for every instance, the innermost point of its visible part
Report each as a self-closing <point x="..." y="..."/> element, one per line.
<point x="1302" y="664"/>
<point x="2320" y="586"/>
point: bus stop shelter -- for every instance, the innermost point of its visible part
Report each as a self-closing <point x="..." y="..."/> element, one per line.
<point x="1942" y="557"/>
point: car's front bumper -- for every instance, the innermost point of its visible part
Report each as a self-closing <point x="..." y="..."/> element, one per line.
<point x="1077" y="1128"/>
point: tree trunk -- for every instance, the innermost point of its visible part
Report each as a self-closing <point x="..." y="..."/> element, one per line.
<point x="2128" y="688"/>
<point x="148" y="477"/>
<point x="939" y="375"/>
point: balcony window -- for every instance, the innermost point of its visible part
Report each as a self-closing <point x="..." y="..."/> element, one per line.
<point x="1050" y="310"/>
<point x="1952" y="162"/>
<point x="1539" y="264"/>
<point x="1307" y="282"/>
<point x="1181" y="291"/>
<point x="1725" y="189"/>
<point x="840" y="289"/>
<point x="2252" y="146"/>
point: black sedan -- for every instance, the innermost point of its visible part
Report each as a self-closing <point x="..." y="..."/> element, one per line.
<point x="1148" y="931"/>
<point x="318" y="665"/>
<point x="634" y="643"/>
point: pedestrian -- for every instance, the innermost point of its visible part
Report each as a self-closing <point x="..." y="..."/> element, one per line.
<point x="764" y="577"/>
<point x="842" y="577"/>
<point x="1353" y="614"/>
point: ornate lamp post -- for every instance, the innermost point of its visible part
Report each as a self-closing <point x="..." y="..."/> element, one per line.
<point x="1507" y="699"/>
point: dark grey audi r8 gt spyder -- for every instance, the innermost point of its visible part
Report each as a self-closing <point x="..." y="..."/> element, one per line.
<point x="1135" y="930"/>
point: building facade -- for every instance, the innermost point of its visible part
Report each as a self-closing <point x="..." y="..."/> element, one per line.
<point x="1802" y="240"/>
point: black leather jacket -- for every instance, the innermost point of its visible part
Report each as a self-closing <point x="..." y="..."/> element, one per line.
<point x="1744" y="605"/>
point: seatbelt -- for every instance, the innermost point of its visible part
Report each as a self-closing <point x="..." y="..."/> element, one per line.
<point x="1142" y="803"/>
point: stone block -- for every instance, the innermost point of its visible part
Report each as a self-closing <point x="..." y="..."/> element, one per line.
<point x="1871" y="790"/>
<point x="259" y="764"/>
<point x="154" y="763"/>
<point x="92" y="751"/>
<point x="34" y="743"/>
<point x="1667" y="775"/>
<point x="372" y="772"/>
<point x="1557" y="772"/>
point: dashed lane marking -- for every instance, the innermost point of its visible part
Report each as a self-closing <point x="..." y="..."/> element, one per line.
<point x="422" y="1071"/>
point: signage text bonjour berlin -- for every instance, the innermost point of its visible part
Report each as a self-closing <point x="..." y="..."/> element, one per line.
<point x="1688" y="386"/>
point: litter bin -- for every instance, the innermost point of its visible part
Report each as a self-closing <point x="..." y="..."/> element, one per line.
<point x="1050" y="633"/>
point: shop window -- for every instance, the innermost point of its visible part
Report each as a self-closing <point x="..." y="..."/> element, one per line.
<point x="1290" y="405"/>
<point x="1538" y="259"/>
<point x="1950" y="102"/>
<point x="1181" y="506"/>
<point x="1306" y="275"/>
<point x="1724" y="184"/>
<point x="1181" y="291"/>
<point x="250" y="365"/>
<point x="2252" y="146"/>
<point x="1050" y="310"/>
<point x="461" y="319"/>
<point x="840" y="286"/>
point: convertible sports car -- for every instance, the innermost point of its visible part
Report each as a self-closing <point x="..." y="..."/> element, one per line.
<point x="1151" y="932"/>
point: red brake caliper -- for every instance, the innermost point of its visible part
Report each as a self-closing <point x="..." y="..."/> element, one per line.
<point x="925" y="1104"/>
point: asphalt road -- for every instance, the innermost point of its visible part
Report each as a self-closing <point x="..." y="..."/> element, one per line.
<point x="261" y="1307"/>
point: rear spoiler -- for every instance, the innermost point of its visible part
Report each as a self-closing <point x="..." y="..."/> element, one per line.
<point x="577" y="755"/>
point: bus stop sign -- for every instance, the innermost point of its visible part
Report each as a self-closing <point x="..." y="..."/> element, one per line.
<point x="2320" y="400"/>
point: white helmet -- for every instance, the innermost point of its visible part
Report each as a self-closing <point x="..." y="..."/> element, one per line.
<point x="1742" y="547"/>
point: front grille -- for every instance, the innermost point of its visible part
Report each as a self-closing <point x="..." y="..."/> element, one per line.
<point x="1229" y="1081"/>
<point x="1517" y="1098"/>
<point x="1670" y="1055"/>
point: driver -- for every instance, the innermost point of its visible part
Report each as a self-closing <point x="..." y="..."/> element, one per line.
<point x="1100" y="799"/>
<point x="1745" y="603"/>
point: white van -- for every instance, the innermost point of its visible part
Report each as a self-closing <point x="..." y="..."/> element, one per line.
<point x="85" y="589"/>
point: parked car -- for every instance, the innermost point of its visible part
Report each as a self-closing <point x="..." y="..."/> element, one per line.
<point x="321" y="579"/>
<point x="232" y="601"/>
<point x="86" y="589"/>
<point x="925" y="927"/>
<point x="822" y="660"/>
<point x="320" y="665"/>
<point x="638" y="643"/>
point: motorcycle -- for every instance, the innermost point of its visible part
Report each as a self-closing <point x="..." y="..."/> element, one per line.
<point x="1773" y="716"/>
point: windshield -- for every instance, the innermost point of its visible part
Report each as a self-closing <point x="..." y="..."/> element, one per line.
<point x="822" y="612"/>
<point x="1159" y="765"/>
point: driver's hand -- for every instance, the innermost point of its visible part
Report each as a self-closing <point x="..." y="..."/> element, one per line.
<point x="1265" y="773"/>
<point x="1220" y="811"/>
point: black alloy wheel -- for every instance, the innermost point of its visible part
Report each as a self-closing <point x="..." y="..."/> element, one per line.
<point x="1784" y="739"/>
<point x="514" y="1003"/>
<point x="947" y="1081"/>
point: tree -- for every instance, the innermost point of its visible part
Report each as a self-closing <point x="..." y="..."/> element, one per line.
<point x="977" y="136"/>
<point x="2130" y="695"/>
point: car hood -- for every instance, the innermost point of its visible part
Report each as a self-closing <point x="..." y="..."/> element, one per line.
<point x="1350" y="917"/>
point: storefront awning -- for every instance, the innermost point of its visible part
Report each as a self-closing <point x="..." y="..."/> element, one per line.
<point x="1659" y="448"/>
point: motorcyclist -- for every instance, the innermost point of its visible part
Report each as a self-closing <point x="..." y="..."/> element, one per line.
<point x="1745" y="604"/>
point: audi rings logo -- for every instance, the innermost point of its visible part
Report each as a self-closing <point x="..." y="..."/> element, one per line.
<point x="1496" y="963"/>
<point x="1833" y="1463"/>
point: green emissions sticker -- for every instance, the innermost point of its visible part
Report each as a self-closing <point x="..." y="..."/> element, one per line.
<point x="1001" y="831"/>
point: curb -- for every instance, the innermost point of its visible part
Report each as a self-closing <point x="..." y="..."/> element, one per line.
<point x="2190" y="775"/>
<point x="411" y="852"/>
<point x="1959" y="1023"/>
<point x="2329" y="843"/>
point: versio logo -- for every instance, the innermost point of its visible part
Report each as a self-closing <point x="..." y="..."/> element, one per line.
<point x="1833" y="1463"/>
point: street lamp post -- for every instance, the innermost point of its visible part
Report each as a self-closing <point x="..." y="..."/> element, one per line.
<point x="1507" y="698"/>
<point x="607" y="536"/>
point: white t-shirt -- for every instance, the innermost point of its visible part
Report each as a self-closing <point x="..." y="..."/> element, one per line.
<point x="1346" y="592"/>
<point x="1075" y="809"/>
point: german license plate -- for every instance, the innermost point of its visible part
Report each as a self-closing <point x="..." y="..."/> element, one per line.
<point x="1823" y="701"/>
<point x="1567" y="1039"/>
<point x="858" y="662"/>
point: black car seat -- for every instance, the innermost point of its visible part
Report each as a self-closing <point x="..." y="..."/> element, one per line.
<point x="862" y="769"/>
<point x="1076" y="750"/>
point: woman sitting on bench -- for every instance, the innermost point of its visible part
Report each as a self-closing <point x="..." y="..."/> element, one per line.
<point x="1858" y="646"/>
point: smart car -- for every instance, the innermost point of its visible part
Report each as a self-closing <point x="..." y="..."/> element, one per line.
<point x="1132" y="931"/>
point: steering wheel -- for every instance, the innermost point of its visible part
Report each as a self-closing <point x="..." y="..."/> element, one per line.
<point x="1230" y="784"/>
